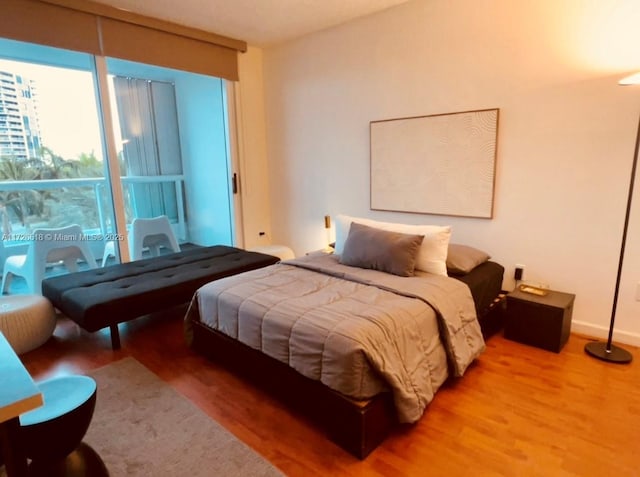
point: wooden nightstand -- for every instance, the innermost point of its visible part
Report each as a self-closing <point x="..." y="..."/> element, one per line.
<point x="542" y="321"/>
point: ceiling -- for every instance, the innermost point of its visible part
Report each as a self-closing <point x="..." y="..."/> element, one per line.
<point x="258" y="22"/>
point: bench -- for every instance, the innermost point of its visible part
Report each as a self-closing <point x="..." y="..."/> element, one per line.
<point x="100" y="298"/>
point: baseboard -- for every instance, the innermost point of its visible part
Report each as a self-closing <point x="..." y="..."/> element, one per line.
<point x="600" y="332"/>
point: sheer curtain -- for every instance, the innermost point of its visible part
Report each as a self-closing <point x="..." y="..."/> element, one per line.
<point x="151" y="144"/>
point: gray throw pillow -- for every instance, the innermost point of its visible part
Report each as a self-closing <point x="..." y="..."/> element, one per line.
<point x="391" y="252"/>
<point x="461" y="259"/>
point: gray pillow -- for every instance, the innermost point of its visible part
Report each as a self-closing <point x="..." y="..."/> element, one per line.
<point x="391" y="252"/>
<point x="461" y="259"/>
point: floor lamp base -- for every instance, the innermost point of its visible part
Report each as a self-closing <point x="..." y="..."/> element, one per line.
<point x="615" y="354"/>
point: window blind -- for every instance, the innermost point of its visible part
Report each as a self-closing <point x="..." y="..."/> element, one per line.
<point x="83" y="25"/>
<point x="46" y="24"/>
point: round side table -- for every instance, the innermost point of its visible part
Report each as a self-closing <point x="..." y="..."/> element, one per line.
<point x="52" y="434"/>
<point x="27" y="321"/>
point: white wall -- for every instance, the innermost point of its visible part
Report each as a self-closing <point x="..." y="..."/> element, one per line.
<point x="252" y="149"/>
<point x="566" y="133"/>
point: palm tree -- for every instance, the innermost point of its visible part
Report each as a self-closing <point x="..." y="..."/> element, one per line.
<point x="55" y="206"/>
<point x="53" y="166"/>
<point x="21" y="203"/>
<point x="73" y="204"/>
<point x="89" y="166"/>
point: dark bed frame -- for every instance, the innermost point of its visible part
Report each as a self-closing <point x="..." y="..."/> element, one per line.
<point x="357" y="426"/>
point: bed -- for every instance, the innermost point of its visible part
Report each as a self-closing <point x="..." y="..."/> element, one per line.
<point x="357" y="349"/>
<point x="485" y="283"/>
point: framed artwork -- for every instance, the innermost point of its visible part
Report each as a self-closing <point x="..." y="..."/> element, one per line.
<point x="442" y="164"/>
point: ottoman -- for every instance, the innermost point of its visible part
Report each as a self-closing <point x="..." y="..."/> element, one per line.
<point x="27" y="321"/>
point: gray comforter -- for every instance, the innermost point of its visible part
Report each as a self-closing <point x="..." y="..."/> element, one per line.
<point x="357" y="331"/>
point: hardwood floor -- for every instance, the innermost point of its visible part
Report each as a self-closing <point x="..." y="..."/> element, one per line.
<point x="518" y="411"/>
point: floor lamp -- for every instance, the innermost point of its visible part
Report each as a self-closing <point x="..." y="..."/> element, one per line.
<point x="608" y="351"/>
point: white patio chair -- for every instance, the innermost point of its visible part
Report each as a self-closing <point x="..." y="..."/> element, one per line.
<point x="49" y="246"/>
<point x="109" y="251"/>
<point x="153" y="234"/>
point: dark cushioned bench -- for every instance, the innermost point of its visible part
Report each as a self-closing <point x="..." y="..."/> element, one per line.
<point x="107" y="296"/>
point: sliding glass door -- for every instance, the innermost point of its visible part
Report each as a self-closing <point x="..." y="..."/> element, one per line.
<point x="171" y="133"/>
<point x="170" y="155"/>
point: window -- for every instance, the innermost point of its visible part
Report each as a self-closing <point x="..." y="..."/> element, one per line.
<point x="51" y="162"/>
<point x="170" y="139"/>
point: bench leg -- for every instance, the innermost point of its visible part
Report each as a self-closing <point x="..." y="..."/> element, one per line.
<point x="115" y="337"/>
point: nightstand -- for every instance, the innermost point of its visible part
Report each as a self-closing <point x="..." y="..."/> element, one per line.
<point x="541" y="321"/>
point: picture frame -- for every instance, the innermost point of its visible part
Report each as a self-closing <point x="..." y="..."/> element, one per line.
<point x="441" y="164"/>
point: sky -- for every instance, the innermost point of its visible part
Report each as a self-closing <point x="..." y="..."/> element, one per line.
<point x="67" y="109"/>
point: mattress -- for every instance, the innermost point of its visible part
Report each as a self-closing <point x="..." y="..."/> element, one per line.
<point x="485" y="283"/>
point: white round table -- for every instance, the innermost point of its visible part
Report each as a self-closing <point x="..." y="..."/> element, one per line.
<point x="27" y="321"/>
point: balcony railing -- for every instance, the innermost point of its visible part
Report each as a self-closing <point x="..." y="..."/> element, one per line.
<point x="100" y="183"/>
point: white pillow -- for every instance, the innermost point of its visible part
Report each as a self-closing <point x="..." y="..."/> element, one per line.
<point x="432" y="257"/>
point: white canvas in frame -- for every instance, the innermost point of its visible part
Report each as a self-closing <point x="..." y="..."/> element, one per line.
<point x="442" y="164"/>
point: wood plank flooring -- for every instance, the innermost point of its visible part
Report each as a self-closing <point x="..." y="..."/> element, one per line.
<point x="519" y="410"/>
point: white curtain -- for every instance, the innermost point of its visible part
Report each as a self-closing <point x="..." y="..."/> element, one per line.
<point x="151" y="143"/>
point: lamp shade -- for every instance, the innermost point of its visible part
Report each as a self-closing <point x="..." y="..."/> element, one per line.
<point x="630" y="80"/>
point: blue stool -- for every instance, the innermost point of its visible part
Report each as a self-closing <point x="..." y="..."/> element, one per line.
<point x="52" y="434"/>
